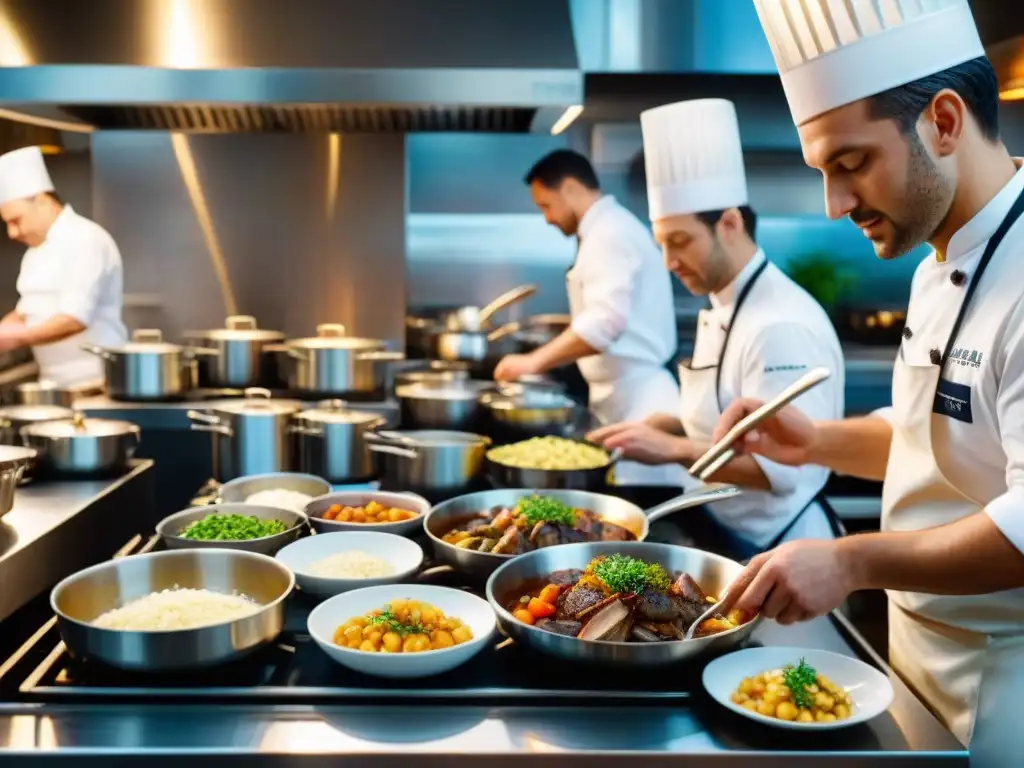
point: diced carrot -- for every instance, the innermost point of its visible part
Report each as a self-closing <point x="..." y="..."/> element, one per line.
<point x="540" y="609"/>
<point x="524" y="616"/>
<point x="550" y="593"/>
<point x="332" y="512"/>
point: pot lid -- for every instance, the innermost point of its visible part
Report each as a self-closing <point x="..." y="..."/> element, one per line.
<point x="529" y="399"/>
<point x="337" y="412"/>
<point x="80" y="427"/>
<point x="258" y="402"/>
<point x="237" y="328"/>
<point x="147" y="340"/>
<point x="430" y="437"/>
<point x="337" y="342"/>
<point x="28" y="413"/>
<point x="466" y="389"/>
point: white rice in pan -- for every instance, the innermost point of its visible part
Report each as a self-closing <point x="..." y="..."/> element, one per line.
<point x="174" y="609"/>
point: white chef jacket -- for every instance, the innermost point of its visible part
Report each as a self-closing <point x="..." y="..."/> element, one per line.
<point x="620" y="298"/>
<point x="963" y="654"/>
<point x="779" y="334"/>
<point x="76" y="272"/>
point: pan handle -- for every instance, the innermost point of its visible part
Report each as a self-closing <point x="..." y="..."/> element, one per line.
<point x="694" y="498"/>
<point x="394" y="450"/>
<point x="505" y="300"/>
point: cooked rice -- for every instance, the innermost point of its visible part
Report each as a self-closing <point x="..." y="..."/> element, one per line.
<point x="280" y="498"/>
<point x="354" y="564"/>
<point x="174" y="609"/>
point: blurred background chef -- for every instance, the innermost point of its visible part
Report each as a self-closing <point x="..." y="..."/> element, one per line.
<point x="70" y="284"/>
<point x="623" y="330"/>
<point x="762" y="333"/>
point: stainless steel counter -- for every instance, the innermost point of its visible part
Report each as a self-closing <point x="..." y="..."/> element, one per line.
<point x="695" y="732"/>
<point x="58" y="528"/>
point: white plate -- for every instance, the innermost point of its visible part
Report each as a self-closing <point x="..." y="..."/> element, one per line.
<point x="870" y="690"/>
<point x="471" y="610"/>
<point x="404" y="555"/>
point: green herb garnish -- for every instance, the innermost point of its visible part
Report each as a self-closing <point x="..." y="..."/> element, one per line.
<point x="627" y="575"/>
<point x="216" y="527"/>
<point x="390" y="623"/>
<point x="540" y="509"/>
<point x="798" y="679"/>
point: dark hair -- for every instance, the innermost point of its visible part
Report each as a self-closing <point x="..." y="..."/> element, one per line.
<point x="974" y="81"/>
<point x="710" y="218"/>
<point x="555" y="167"/>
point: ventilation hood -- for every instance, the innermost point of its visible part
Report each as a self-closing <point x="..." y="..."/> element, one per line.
<point x="216" y="66"/>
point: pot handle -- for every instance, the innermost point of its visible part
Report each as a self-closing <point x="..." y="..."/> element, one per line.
<point x="148" y="336"/>
<point x="330" y="330"/>
<point x="501" y="332"/>
<point x="394" y="450"/>
<point x="256" y="393"/>
<point x="100" y="352"/>
<point x="700" y="495"/>
<point x="298" y="429"/>
<point x="381" y="357"/>
<point x="207" y="422"/>
<point x="240" y="323"/>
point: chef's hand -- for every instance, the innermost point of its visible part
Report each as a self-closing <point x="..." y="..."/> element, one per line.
<point x="514" y="367"/>
<point x="785" y="438"/>
<point x="639" y="442"/>
<point x="11" y="336"/>
<point x="794" y="582"/>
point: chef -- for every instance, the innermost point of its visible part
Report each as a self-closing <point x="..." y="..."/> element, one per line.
<point x="901" y="117"/>
<point x="762" y="332"/>
<point x="70" y="284"/>
<point x="623" y="331"/>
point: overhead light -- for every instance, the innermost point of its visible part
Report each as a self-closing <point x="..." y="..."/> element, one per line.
<point x="1015" y="92"/>
<point x="567" y="119"/>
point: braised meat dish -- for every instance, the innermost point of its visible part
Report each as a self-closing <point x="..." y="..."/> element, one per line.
<point x="619" y="599"/>
<point x="535" y="522"/>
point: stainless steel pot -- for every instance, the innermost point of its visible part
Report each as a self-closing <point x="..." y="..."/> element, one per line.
<point x="251" y="436"/>
<point x="712" y="572"/>
<point x="479" y="565"/>
<point x="432" y="372"/>
<point x="451" y="405"/>
<point x="477" y="319"/>
<point x="530" y="409"/>
<point x="472" y="346"/>
<point x="332" y="363"/>
<point x="80" y="599"/>
<point x="14" y="462"/>
<point x="148" y="368"/>
<point x="42" y="393"/>
<point x="14" y="417"/>
<point x="332" y="441"/>
<point x="237" y="361"/>
<point x="429" y="460"/>
<point x="81" y="446"/>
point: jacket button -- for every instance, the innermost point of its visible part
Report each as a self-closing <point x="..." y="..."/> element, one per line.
<point x="935" y="356"/>
<point x="957" y="277"/>
<point x="907" y="333"/>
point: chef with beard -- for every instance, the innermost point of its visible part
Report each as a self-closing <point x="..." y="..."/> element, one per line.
<point x="623" y="331"/>
<point x="900" y="115"/>
<point x="70" y="284"/>
<point x="762" y="332"/>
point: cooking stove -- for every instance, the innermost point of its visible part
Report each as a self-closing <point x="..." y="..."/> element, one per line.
<point x="295" y="670"/>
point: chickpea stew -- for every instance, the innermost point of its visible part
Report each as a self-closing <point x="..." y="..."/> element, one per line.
<point x="402" y="626"/>
<point x="794" y="693"/>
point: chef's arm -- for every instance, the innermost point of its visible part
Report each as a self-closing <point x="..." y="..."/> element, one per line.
<point x="57" y="328"/>
<point x="666" y="422"/>
<point x="14" y="316"/>
<point x="969" y="557"/>
<point x="858" y="447"/>
<point x="567" y="347"/>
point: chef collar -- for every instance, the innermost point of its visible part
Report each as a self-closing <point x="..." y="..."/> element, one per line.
<point x="726" y="296"/>
<point x="976" y="232"/>
<point x="589" y="220"/>
<point x="61" y="222"/>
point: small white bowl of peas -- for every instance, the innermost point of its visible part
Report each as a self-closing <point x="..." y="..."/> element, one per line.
<point x="402" y="630"/>
<point x="798" y="688"/>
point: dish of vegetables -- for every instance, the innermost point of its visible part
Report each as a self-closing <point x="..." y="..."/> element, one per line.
<point x="231" y="527"/>
<point x="794" y="693"/>
<point x="402" y="626"/>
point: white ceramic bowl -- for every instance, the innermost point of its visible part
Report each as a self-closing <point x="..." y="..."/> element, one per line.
<point x="870" y="690"/>
<point x="318" y="506"/>
<point x="471" y="610"/>
<point x="404" y="555"/>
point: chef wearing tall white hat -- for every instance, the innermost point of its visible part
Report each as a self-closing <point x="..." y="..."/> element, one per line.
<point x="897" y="106"/>
<point x="70" y="284"/>
<point x="762" y="333"/>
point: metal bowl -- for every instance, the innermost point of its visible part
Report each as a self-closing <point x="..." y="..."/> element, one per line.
<point x="15" y="461"/>
<point x="595" y="479"/>
<point x="239" y="490"/>
<point x="171" y="526"/>
<point x="713" y="572"/>
<point x="81" y="598"/>
<point x="411" y="501"/>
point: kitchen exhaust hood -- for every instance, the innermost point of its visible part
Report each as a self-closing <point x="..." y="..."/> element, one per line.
<point x="215" y="66"/>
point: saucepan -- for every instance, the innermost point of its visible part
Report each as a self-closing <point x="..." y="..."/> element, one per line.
<point x="473" y="346"/>
<point x="476" y="319"/>
<point x="429" y="461"/>
<point x="713" y="573"/>
<point x="479" y="565"/>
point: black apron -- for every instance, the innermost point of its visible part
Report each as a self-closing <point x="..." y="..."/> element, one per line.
<point x="727" y="537"/>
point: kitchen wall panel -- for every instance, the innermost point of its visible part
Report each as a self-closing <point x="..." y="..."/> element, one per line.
<point x="311" y="228"/>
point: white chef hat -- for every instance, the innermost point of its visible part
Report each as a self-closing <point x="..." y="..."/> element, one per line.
<point x="834" y="52"/>
<point x="23" y="174"/>
<point x="693" y="158"/>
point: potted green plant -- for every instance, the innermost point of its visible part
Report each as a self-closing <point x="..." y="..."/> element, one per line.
<point x="823" y="276"/>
